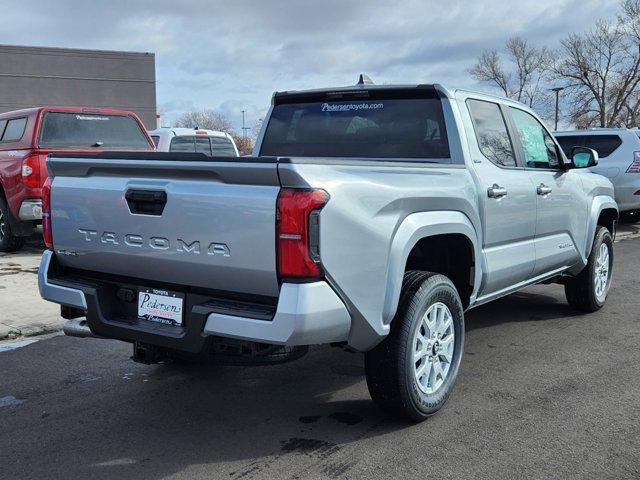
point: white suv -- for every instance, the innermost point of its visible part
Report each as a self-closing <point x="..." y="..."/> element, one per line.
<point x="619" y="152"/>
<point x="194" y="140"/>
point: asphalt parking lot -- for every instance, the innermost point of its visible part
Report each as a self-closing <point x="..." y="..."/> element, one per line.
<point x="543" y="393"/>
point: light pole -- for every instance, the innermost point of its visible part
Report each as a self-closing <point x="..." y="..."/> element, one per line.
<point x="557" y="90"/>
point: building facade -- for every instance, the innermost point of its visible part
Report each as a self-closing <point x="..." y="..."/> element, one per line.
<point x="37" y="76"/>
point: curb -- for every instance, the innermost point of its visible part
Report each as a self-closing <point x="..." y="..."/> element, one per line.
<point x="627" y="236"/>
<point x="13" y="333"/>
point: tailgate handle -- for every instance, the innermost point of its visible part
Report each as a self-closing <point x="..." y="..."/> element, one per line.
<point x="146" y="202"/>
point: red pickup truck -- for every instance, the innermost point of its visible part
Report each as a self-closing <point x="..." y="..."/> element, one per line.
<point x="28" y="136"/>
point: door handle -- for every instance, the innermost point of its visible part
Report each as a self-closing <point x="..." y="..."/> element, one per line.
<point x="543" y="189"/>
<point x="146" y="202"/>
<point x="496" y="191"/>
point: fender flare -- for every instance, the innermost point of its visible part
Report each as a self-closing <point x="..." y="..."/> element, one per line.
<point x="600" y="203"/>
<point x="414" y="228"/>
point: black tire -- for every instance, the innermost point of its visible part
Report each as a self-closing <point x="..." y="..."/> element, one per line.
<point x="8" y="241"/>
<point x="390" y="365"/>
<point x="580" y="290"/>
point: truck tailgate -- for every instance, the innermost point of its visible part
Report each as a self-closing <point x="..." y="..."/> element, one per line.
<point x="181" y="219"/>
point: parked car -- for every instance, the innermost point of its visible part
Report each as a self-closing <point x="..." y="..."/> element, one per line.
<point x="619" y="152"/>
<point x="194" y="140"/>
<point x="28" y="136"/>
<point x="370" y="217"/>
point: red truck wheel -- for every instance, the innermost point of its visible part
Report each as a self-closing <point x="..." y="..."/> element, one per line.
<point x="8" y="241"/>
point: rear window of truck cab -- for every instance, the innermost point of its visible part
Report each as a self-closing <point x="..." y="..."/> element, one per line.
<point x="381" y="126"/>
<point x="84" y="130"/>
<point x="210" y="146"/>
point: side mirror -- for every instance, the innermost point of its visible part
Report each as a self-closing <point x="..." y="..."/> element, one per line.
<point x="583" y="157"/>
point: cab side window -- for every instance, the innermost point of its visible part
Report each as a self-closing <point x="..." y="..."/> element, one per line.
<point x="14" y="129"/>
<point x="537" y="145"/>
<point x="491" y="132"/>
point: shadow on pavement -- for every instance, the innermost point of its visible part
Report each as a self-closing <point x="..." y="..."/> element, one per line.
<point x="112" y="418"/>
<point x="117" y="419"/>
<point x="522" y="306"/>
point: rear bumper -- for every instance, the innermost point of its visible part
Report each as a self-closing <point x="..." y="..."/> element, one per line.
<point x="306" y="314"/>
<point x="63" y="295"/>
<point x="30" y="210"/>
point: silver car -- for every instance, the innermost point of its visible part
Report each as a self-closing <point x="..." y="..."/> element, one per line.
<point x="619" y="160"/>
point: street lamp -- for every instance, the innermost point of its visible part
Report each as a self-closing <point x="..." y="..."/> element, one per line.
<point x="557" y="90"/>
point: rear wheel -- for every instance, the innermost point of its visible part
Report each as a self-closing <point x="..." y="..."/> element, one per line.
<point x="8" y="241"/>
<point x="412" y="372"/>
<point x="588" y="291"/>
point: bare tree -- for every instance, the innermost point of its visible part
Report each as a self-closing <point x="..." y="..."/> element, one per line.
<point x="244" y="144"/>
<point x="601" y="71"/>
<point x="524" y="77"/>
<point x="490" y="69"/>
<point x="209" y="119"/>
<point x="255" y="130"/>
<point x="629" y="18"/>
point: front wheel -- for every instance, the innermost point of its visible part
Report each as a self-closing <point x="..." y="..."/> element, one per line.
<point x="589" y="289"/>
<point x="412" y="372"/>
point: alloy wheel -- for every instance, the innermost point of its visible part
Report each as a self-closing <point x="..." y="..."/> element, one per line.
<point x="601" y="272"/>
<point x="433" y="348"/>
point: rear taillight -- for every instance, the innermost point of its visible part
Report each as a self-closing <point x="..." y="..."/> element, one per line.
<point x="635" y="166"/>
<point x="31" y="171"/>
<point x="47" y="232"/>
<point x="298" y="232"/>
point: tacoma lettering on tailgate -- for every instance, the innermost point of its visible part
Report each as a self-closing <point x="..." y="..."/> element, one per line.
<point x="156" y="243"/>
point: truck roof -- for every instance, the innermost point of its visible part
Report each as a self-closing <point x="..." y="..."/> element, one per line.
<point x="180" y="131"/>
<point x="48" y="108"/>
<point x="351" y="88"/>
<point x="448" y="92"/>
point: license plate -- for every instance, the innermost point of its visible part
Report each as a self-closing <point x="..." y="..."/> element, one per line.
<point x="160" y="306"/>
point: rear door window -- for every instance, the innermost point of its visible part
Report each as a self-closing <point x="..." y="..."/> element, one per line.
<point x="3" y="123"/>
<point x="491" y="132"/>
<point x="605" y="145"/>
<point x="375" y="127"/>
<point x="84" y="130"/>
<point x="223" y="147"/>
<point x="14" y="129"/>
<point x="183" y="144"/>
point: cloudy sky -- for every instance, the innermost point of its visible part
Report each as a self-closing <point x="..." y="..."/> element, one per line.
<point x="232" y="55"/>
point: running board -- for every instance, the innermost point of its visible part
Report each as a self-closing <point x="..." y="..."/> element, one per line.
<point x="519" y="286"/>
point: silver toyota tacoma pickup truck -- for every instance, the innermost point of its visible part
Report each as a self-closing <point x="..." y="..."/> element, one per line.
<point x="369" y="218"/>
